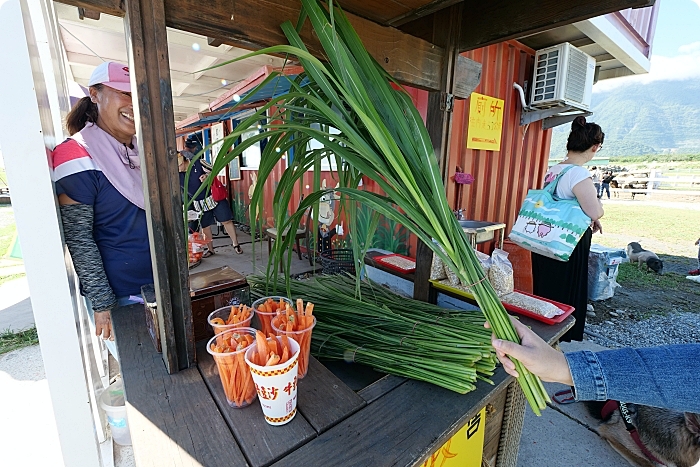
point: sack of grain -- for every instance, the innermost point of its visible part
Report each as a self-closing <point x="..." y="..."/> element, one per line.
<point x="485" y="261"/>
<point x="437" y="269"/>
<point x="535" y="305"/>
<point x="501" y="272"/>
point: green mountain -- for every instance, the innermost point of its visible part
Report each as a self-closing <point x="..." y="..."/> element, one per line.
<point x="654" y="118"/>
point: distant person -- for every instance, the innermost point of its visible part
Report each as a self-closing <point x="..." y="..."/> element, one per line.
<point x="100" y="194"/>
<point x="696" y="272"/>
<point x="567" y="282"/>
<point x="596" y="179"/>
<point x="211" y="211"/>
<point x="605" y="186"/>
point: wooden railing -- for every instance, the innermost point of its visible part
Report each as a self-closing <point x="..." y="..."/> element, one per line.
<point x="688" y="185"/>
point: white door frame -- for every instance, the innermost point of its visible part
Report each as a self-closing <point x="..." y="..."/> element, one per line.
<point x="27" y="133"/>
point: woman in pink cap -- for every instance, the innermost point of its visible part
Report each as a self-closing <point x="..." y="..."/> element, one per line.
<point x="98" y="181"/>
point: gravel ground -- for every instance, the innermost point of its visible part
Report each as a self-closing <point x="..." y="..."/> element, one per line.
<point x="674" y="328"/>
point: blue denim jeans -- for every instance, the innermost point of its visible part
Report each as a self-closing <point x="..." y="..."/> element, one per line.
<point x="666" y="376"/>
<point x="121" y="301"/>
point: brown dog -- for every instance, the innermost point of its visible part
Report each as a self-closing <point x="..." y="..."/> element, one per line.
<point x="673" y="438"/>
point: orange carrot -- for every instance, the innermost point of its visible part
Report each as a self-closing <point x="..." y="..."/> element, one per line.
<point x="273" y="344"/>
<point x="290" y="321"/>
<point x="285" y="355"/>
<point x="309" y="309"/>
<point x="285" y="343"/>
<point x="261" y="343"/>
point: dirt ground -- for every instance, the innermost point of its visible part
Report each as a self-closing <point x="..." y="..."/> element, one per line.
<point x="642" y="293"/>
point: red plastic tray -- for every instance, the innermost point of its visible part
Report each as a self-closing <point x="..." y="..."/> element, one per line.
<point x="394" y="267"/>
<point x="567" y="309"/>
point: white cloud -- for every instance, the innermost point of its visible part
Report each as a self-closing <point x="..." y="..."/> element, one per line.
<point x="689" y="49"/>
<point x="686" y="65"/>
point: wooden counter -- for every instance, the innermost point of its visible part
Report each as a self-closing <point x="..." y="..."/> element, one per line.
<point x="184" y="419"/>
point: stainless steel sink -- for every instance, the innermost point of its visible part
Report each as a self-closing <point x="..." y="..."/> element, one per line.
<point x="481" y="231"/>
<point x="477" y="224"/>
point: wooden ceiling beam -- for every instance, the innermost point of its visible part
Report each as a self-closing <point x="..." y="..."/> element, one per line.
<point x="110" y="7"/>
<point x="486" y="23"/>
<point x="425" y="10"/>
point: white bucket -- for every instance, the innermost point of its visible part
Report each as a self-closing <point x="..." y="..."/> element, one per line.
<point x="112" y="402"/>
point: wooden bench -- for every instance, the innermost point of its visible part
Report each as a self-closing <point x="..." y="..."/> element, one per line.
<point x="184" y="419"/>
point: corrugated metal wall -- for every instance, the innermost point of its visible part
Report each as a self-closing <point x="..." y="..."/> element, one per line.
<point x="501" y="178"/>
<point x="643" y="20"/>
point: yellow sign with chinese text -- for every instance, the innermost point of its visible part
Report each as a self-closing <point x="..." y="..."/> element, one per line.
<point x="465" y="448"/>
<point x="485" y="122"/>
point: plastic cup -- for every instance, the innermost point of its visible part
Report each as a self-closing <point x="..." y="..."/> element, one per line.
<point x="265" y="318"/>
<point x="233" y="370"/>
<point x="224" y="313"/>
<point x="113" y="403"/>
<point x="276" y="385"/>
<point x="303" y="338"/>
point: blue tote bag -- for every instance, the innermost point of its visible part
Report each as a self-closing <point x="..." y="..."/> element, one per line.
<point x="550" y="226"/>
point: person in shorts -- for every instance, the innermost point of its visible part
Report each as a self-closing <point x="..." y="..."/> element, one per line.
<point x="211" y="211"/>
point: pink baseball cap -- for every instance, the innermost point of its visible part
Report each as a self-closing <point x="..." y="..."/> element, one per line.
<point x="112" y="74"/>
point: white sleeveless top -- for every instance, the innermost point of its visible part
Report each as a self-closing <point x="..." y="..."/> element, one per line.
<point x="575" y="175"/>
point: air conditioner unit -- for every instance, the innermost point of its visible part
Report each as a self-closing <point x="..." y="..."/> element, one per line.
<point x="563" y="77"/>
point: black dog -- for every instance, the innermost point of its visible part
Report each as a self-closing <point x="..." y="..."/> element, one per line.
<point x="639" y="255"/>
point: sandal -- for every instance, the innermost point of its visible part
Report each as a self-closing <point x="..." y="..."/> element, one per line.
<point x="564" y="397"/>
<point x="207" y="254"/>
<point x="238" y="249"/>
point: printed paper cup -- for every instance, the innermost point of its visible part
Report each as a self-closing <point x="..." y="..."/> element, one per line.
<point x="265" y="317"/>
<point x="223" y="313"/>
<point x="234" y="371"/>
<point x="303" y="338"/>
<point x="276" y="386"/>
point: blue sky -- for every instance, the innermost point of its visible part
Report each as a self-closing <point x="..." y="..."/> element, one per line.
<point x="678" y="25"/>
<point x="676" y="47"/>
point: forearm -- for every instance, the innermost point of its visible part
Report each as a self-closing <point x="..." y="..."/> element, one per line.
<point x="657" y="376"/>
<point x="77" y="229"/>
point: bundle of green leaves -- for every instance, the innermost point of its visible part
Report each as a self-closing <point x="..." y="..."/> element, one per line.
<point x="378" y="134"/>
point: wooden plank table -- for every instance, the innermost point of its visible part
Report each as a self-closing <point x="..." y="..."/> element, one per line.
<point x="353" y="417"/>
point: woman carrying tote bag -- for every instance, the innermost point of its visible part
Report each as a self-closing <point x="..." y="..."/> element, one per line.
<point x="567" y="282"/>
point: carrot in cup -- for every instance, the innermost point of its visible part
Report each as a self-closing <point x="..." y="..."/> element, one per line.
<point x="229" y="317"/>
<point x="267" y="308"/>
<point x="228" y="349"/>
<point x="297" y="324"/>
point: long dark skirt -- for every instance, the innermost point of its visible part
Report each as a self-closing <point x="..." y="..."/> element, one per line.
<point x="565" y="282"/>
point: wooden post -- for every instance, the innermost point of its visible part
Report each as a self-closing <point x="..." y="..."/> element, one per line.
<point x="439" y="125"/>
<point x="147" y="46"/>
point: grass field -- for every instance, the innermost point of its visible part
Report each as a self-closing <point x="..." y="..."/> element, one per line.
<point x="669" y="225"/>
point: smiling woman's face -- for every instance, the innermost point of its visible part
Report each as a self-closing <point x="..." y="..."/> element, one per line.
<point x="115" y="112"/>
